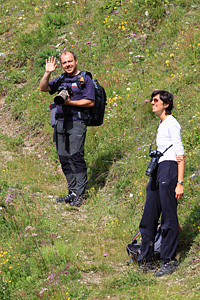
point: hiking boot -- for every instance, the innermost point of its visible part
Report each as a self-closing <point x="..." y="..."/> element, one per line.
<point x="67" y="199"/>
<point x="148" y="267"/>
<point x="78" y="201"/>
<point x="167" y="268"/>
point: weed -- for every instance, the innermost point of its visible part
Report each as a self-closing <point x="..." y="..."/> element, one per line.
<point x="51" y="251"/>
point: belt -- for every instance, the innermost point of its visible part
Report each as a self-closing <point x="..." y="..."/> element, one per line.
<point x="59" y="116"/>
<point x="78" y="114"/>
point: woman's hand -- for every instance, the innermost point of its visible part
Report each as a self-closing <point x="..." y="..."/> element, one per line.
<point x="181" y="167"/>
<point x="179" y="191"/>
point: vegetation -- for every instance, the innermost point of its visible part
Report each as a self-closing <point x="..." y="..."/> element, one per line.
<point x="50" y="251"/>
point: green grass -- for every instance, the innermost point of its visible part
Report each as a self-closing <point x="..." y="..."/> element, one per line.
<point x="50" y="251"/>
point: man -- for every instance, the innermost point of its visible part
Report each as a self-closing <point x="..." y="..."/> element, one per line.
<point x="70" y="129"/>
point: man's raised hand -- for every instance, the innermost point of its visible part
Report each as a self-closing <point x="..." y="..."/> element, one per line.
<point x="51" y="64"/>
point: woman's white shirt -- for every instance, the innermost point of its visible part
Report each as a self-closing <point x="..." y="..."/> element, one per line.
<point x="169" y="133"/>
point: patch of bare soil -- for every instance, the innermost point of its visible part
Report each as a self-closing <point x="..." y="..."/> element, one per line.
<point x="8" y="126"/>
<point x="13" y="128"/>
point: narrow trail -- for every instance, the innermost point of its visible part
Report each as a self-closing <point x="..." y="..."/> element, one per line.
<point x="7" y="124"/>
<point x="12" y="128"/>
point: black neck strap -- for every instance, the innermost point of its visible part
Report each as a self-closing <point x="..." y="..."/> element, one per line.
<point x="153" y="141"/>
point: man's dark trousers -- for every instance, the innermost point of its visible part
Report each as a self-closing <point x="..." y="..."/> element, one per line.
<point x="70" y="140"/>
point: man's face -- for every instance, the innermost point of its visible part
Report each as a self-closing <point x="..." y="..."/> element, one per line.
<point x="69" y="64"/>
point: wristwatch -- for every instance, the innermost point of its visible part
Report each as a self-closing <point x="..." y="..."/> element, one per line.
<point x="181" y="182"/>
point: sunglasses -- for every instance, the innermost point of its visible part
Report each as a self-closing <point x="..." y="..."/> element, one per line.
<point x="155" y="100"/>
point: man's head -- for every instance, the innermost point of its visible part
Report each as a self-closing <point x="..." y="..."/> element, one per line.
<point x="166" y="98"/>
<point x="69" y="63"/>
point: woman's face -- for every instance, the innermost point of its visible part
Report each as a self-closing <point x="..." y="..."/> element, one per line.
<point x="158" y="106"/>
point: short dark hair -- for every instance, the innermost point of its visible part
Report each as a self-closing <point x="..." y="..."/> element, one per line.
<point x="67" y="51"/>
<point x="166" y="97"/>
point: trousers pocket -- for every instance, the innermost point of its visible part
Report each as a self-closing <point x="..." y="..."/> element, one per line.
<point x="60" y="128"/>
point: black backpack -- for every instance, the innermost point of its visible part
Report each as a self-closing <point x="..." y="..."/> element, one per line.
<point x="134" y="250"/>
<point x="93" y="116"/>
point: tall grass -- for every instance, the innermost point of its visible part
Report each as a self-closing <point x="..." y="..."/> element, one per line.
<point x="50" y="251"/>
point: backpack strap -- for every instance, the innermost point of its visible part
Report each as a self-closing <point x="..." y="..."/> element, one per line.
<point x="134" y="241"/>
<point x="81" y="79"/>
<point x="60" y="79"/>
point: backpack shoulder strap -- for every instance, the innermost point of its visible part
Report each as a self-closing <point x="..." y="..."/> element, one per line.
<point x="81" y="79"/>
<point x="60" y="78"/>
<point x="84" y="73"/>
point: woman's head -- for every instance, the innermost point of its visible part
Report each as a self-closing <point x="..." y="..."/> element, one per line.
<point x="166" y="97"/>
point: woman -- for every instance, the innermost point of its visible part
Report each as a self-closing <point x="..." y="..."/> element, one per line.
<point x="163" y="190"/>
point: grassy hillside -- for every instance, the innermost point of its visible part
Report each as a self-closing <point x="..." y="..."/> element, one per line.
<point x="50" y="251"/>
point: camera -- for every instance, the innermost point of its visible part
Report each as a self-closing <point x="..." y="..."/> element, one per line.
<point x="62" y="95"/>
<point x="155" y="155"/>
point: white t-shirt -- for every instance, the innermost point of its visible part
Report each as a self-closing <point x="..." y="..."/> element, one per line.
<point x="169" y="133"/>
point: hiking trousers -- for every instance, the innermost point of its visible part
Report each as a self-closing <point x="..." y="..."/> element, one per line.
<point x="70" y="140"/>
<point x="160" y="200"/>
